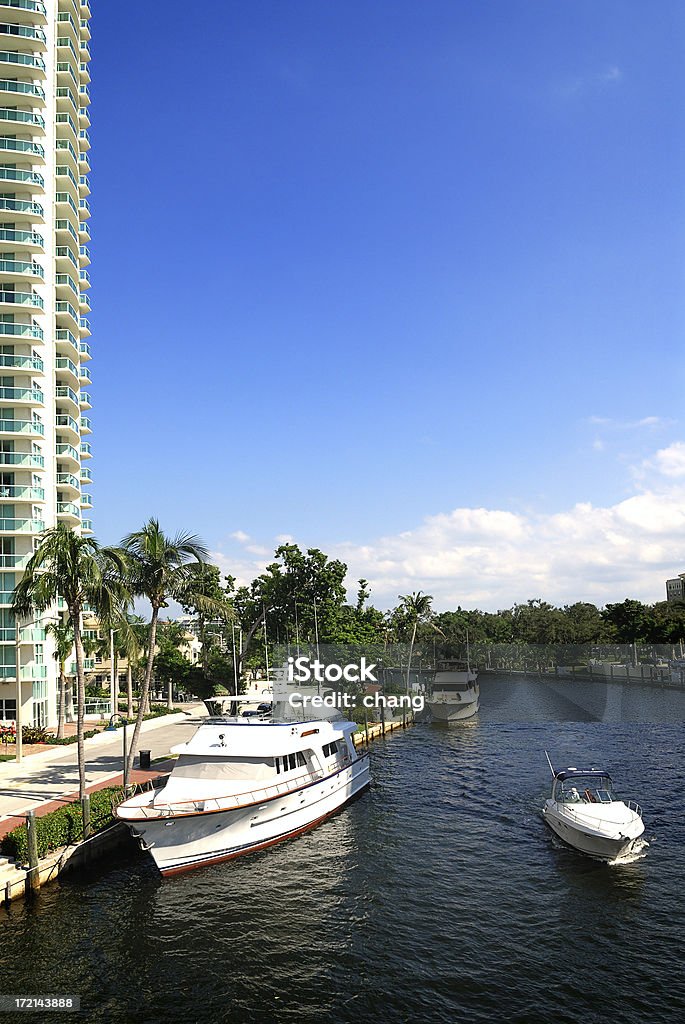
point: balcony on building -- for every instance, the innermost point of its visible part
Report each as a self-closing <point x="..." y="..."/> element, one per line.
<point x="23" y="11"/>
<point x="14" y="525"/>
<point x="67" y="369"/>
<point x="67" y="343"/>
<point x="68" y="482"/>
<point x="20" y="239"/>
<point x="18" y="492"/>
<point x="12" y="121"/>
<point x="67" y="453"/>
<point x="13" y="427"/>
<point x="68" y="510"/>
<point x="20" y="302"/>
<point x="23" y="460"/>
<point x="65" y="394"/>
<point x="30" y="364"/>
<point x="27" y="270"/>
<point x="14" y="91"/>
<point x="67" y="425"/>
<point x="21" y="396"/>
<point x="14" y="35"/>
<point x="22" y="209"/>
<point x="11" y="177"/>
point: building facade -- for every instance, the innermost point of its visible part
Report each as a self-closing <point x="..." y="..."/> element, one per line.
<point x="44" y="354"/>
<point x="675" y="589"/>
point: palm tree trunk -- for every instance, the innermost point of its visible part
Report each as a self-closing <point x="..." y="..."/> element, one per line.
<point x="129" y="690"/>
<point x="144" y="691"/>
<point x="62" y="698"/>
<point x="75" y="614"/>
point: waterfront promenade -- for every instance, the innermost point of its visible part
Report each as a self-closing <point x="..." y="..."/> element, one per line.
<point x="51" y="777"/>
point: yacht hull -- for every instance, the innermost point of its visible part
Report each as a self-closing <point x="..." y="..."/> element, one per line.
<point x="591" y="841"/>
<point x="445" y="712"/>
<point x="183" y="842"/>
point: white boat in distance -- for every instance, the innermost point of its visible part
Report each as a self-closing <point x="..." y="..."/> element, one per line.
<point x="585" y="812"/>
<point x="454" y="692"/>
<point x="241" y="785"/>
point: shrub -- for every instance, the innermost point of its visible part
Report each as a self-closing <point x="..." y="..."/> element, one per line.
<point x="62" y="827"/>
<point x="72" y="739"/>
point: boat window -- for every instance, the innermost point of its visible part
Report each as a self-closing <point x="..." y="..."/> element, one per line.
<point x="330" y="749"/>
<point x="300" y="759"/>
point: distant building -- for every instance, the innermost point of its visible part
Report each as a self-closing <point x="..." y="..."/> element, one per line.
<point x="675" y="589"/>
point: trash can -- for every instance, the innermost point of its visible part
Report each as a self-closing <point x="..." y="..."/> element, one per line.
<point x="144" y="760"/>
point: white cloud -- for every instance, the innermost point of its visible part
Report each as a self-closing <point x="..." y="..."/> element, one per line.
<point x="671" y="461"/>
<point x="619" y="425"/>
<point x="240" y="536"/>
<point x="492" y="558"/>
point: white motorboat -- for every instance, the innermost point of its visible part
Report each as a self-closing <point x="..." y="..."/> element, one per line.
<point x="585" y="812"/>
<point x="241" y="785"/>
<point x="454" y="692"/>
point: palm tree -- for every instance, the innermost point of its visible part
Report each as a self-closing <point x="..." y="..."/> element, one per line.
<point x="63" y="635"/>
<point x="79" y="570"/>
<point x="159" y="568"/>
<point x="417" y="608"/>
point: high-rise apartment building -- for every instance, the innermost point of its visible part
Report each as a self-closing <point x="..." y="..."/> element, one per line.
<point x="44" y="283"/>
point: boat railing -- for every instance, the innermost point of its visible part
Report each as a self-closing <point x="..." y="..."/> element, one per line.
<point x="234" y="800"/>
<point x="632" y="805"/>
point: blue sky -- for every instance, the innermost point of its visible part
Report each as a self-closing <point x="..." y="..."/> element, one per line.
<point x="358" y="265"/>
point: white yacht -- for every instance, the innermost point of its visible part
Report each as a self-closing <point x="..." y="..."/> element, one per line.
<point x="585" y="812"/>
<point x="241" y="785"/>
<point x="454" y="692"/>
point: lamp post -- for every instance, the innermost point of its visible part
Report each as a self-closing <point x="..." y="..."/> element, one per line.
<point x="112" y="676"/>
<point x="17" y="649"/>
<point x="235" y="663"/>
<point x="112" y="728"/>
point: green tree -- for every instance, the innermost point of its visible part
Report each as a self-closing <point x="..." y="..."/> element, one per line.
<point x="63" y="635"/>
<point x="210" y="602"/>
<point x="416" y="608"/>
<point x="159" y="569"/>
<point x="629" y="621"/>
<point x="301" y="595"/>
<point x="83" y="573"/>
<point x="170" y="664"/>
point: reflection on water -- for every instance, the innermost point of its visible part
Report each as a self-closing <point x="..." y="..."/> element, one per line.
<point x="439" y="896"/>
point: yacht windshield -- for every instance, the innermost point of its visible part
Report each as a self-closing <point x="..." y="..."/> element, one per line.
<point x="586" y="790"/>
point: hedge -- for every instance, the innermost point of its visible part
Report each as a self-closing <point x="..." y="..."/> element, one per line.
<point x="62" y="827"/>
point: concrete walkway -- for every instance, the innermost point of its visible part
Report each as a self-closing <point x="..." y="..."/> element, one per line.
<point x="52" y="776"/>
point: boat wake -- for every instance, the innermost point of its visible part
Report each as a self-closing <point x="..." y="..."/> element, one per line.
<point x="638" y="851"/>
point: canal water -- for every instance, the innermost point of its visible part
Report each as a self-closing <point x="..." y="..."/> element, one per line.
<point x="439" y="896"/>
